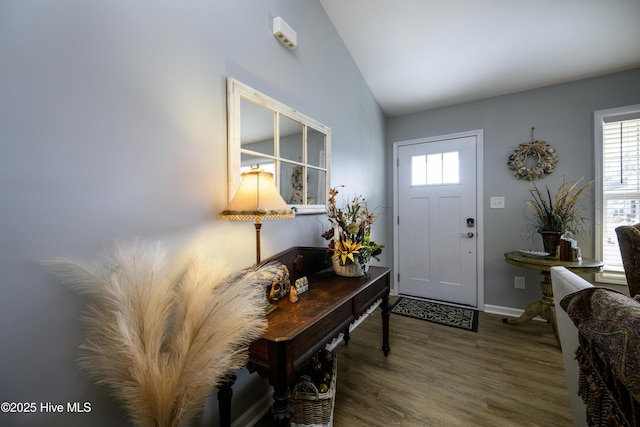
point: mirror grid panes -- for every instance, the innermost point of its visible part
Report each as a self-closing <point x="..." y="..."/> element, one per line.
<point x="257" y="131"/>
<point x="292" y="146"/>
<point x="248" y="160"/>
<point x="290" y="134"/>
<point x="291" y="182"/>
<point x="316" y="148"/>
<point x="316" y="188"/>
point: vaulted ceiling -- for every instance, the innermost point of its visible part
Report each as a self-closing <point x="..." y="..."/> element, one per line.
<point x="422" y="54"/>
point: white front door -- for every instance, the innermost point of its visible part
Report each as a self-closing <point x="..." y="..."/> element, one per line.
<point x="437" y="224"/>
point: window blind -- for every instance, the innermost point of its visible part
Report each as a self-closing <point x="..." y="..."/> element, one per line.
<point x="621" y="183"/>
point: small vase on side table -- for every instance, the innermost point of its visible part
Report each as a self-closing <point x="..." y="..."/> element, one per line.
<point x="550" y="242"/>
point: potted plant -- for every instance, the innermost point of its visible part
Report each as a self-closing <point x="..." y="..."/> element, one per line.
<point x="552" y="216"/>
<point x="350" y="233"/>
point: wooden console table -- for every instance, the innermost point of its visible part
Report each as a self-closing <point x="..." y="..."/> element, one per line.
<point x="297" y="331"/>
<point x="545" y="307"/>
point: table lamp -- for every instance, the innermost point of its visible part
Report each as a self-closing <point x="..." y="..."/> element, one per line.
<point x="257" y="199"/>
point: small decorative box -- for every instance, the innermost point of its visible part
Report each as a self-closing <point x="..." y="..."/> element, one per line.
<point x="302" y="285"/>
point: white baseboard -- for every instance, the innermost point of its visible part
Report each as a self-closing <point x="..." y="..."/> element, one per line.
<point x="255" y="412"/>
<point x="507" y="311"/>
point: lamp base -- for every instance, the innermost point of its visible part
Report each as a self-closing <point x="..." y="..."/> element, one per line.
<point x="258" y="226"/>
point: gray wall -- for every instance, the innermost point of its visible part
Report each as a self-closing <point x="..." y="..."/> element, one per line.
<point x="113" y="119"/>
<point x="561" y="115"/>
<point x="113" y="125"/>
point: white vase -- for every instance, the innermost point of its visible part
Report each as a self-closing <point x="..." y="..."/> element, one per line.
<point x="336" y="232"/>
<point x="349" y="270"/>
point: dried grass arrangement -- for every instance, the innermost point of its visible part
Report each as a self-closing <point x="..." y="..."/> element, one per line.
<point x="162" y="335"/>
<point x="560" y="213"/>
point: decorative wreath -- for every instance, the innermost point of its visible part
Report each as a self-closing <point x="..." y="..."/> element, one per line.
<point x="547" y="159"/>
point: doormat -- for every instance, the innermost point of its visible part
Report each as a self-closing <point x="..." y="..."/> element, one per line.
<point x="457" y="317"/>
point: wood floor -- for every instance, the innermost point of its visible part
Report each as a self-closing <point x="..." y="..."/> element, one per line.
<point x="435" y="375"/>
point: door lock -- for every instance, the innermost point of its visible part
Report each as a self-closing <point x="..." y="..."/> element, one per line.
<point x="468" y="235"/>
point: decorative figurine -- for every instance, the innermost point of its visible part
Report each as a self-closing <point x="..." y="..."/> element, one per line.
<point x="302" y="285"/>
<point x="280" y="284"/>
<point x="293" y="294"/>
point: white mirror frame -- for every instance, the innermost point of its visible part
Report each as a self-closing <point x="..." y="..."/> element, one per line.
<point x="237" y="91"/>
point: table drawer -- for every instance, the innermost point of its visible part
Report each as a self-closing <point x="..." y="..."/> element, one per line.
<point x="367" y="297"/>
<point x="320" y="333"/>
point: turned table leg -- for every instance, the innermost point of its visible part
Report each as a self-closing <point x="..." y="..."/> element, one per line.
<point x="224" y="400"/>
<point x="282" y="409"/>
<point x="544" y="308"/>
<point x="385" y="324"/>
<point x="346" y="335"/>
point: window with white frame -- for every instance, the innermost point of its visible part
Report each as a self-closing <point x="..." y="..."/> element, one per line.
<point x="617" y="137"/>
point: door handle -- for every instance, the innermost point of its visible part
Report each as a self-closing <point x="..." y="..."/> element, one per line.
<point x="468" y="235"/>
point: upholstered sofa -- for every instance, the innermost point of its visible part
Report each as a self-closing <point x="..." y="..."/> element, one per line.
<point x="599" y="331"/>
<point x="564" y="283"/>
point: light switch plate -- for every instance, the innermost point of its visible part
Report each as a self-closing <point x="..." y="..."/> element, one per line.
<point x="497" y="203"/>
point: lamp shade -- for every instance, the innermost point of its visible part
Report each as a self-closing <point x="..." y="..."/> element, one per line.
<point x="257" y="198"/>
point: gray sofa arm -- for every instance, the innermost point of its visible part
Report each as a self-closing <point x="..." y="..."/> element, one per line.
<point x="564" y="282"/>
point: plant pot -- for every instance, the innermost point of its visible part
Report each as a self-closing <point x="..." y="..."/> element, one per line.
<point x="551" y="242"/>
<point x="349" y="270"/>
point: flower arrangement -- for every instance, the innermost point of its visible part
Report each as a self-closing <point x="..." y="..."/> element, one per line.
<point x="559" y="213"/>
<point x="350" y="233"/>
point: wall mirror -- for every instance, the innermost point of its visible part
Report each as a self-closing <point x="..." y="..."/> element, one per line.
<point x="281" y="140"/>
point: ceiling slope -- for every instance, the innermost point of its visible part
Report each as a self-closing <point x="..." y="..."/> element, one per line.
<point x="422" y="54"/>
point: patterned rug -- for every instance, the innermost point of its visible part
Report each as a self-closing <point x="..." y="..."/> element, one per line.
<point x="458" y="317"/>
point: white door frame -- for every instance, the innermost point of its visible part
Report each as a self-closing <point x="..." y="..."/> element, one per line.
<point x="479" y="206"/>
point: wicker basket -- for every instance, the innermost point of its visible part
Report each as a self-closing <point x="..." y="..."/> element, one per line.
<point x="314" y="409"/>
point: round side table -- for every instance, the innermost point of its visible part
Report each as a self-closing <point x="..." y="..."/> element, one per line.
<point x="545" y="307"/>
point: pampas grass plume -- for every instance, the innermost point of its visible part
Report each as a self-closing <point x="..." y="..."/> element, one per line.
<point x="162" y="335"/>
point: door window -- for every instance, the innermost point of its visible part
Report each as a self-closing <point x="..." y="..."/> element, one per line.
<point x="435" y="169"/>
